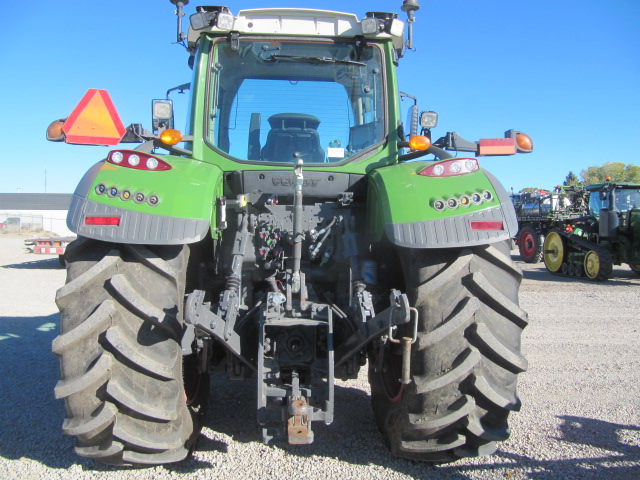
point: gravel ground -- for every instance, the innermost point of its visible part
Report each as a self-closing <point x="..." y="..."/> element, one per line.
<point x="580" y="417"/>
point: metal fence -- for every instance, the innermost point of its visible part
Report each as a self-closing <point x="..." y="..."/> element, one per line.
<point x="22" y="222"/>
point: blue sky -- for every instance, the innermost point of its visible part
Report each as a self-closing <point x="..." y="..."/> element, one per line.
<point x="565" y="72"/>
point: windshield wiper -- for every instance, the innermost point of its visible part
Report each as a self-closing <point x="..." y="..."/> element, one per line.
<point x="301" y="58"/>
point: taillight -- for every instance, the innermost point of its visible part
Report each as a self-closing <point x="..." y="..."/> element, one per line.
<point x="487" y="226"/>
<point x="137" y="160"/>
<point x="450" y="168"/>
<point x="110" y="221"/>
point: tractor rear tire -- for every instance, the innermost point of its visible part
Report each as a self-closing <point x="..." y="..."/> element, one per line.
<point x="465" y="362"/>
<point x="121" y="360"/>
<point x="530" y="245"/>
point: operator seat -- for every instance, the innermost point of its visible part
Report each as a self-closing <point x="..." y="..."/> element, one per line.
<point x="293" y="133"/>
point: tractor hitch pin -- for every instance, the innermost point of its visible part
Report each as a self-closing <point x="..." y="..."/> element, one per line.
<point x="406" y="348"/>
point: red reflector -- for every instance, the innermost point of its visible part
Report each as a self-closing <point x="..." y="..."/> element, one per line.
<point x="497" y="146"/>
<point x="487" y="226"/>
<point x="115" y="221"/>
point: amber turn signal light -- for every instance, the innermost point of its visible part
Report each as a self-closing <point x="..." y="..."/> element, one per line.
<point x="55" y="132"/>
<point x="171" y="136"/>
<point x="524" y="142"/>
<point x="419" y="142"/>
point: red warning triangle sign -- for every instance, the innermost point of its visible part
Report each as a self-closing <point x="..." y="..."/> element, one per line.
<point x="94" y="121"/>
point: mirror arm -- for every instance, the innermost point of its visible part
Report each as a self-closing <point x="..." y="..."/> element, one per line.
<point x="432" y="150"/>
<point x="453" y="141"/>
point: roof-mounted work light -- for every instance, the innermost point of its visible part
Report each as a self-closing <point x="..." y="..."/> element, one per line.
<point x="370" y="26"/>
<point x="220" y="17"/>
<point x="378" y="22"/>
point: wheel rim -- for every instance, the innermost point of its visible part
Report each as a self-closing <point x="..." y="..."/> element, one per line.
<point x="591" y="264"/>
<point x="553" y="251"/>
<point x="635" y="267"/>
<point x="528" y="244"/>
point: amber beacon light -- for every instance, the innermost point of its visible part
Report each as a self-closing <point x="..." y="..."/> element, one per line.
<point x="171" y="136"/>
<point x="419" y="142"/>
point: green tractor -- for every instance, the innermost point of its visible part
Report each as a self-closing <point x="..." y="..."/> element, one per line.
<point x="608" y="235"/>
<point x="298" y="233"/>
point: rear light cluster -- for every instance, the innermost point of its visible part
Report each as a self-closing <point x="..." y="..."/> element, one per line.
<point x="462" y="201"/>
<point x="451" y="168"/>
<point x="126" y="194"/>
<point x="137" y="160"/>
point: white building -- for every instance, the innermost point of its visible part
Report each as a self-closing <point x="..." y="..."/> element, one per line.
<point x="35" y="211"/>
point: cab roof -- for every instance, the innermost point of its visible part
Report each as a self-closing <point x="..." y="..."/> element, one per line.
<point x="301" y="22"/>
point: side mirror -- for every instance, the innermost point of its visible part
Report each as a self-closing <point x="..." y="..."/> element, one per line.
<point x="603" y="196"/>
<point x="412" y="121"/>
<point x="162" y="113"/>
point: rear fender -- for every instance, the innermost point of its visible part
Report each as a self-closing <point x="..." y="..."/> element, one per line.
<point x="402" y="206"/>
<point x="170" y="207"/>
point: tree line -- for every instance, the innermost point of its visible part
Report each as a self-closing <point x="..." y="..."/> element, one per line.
<point x="618" y="171"/>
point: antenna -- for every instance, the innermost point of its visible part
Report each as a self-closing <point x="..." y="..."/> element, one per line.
<point x="179" y="4"/>
<point x="410" y="6"/>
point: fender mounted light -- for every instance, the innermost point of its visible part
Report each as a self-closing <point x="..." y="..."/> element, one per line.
<point x="137" y="160"/>
<point x="450" y="168"/>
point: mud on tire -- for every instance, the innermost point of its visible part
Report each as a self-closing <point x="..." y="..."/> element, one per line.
<point x="120" y="356"/>
<point x="465" y="361"/>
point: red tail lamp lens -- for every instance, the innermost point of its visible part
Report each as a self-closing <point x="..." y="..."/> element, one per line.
<point x="450" y="168"/>
<point x="137" y="160"/>
<point x="109" y="221"/>
<point x="487" y="226"/>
